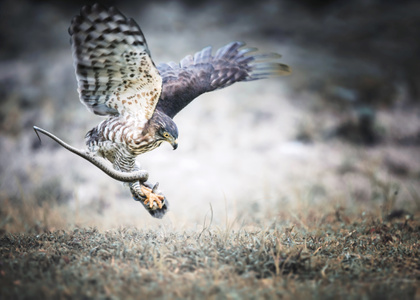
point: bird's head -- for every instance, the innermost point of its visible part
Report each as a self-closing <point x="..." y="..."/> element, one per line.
<point x="169" y="134"/>
<point x="166" y="129"/>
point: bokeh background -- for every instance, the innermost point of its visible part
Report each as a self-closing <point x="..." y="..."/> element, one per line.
<point x="343" y="128"/>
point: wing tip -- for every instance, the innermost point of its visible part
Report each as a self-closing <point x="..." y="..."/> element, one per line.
<point x="269" y="69"/>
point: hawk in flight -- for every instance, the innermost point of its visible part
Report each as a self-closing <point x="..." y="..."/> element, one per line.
<point x="117" y="78"/>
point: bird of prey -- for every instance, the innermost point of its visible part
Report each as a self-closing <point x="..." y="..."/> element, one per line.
<point x="117" y="78"/>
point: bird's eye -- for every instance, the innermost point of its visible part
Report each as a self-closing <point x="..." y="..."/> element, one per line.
<point x="166" y="134"/>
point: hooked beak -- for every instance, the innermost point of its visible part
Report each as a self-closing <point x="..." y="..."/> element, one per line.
<point x="174" y="144"/>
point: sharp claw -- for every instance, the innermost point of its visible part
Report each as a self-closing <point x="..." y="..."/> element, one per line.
<point x="155" y="188"/>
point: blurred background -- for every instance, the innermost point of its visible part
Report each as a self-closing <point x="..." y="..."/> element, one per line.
<point x="343" y="128"/>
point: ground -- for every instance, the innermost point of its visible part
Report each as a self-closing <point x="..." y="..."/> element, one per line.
<point x="304" y="186"/>
<point x="318" y="252"/>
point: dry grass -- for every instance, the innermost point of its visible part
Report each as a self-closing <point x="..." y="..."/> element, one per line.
<point x="298" y="251"/>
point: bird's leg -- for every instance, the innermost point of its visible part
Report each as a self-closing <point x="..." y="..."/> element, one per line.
<point x="152" y="196"/>
<point x="136" y="191"/>
<point x="153" y="201"/>
<point x="142" y="191"/>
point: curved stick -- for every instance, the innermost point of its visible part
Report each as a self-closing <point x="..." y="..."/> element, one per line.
<point x="99" y="162"/>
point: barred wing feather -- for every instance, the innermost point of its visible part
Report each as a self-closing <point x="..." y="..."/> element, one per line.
<point x="202" y="73"/>
<point x="114" y="70"/>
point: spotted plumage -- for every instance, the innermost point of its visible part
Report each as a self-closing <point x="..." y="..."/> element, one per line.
<point x="117" y="78"/>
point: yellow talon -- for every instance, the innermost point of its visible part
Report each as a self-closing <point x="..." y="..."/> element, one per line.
<point x="151" y="197"/>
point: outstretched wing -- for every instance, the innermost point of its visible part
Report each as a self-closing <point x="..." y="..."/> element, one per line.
<point x="114" y="70"/>
<point x="202" y="73"/>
